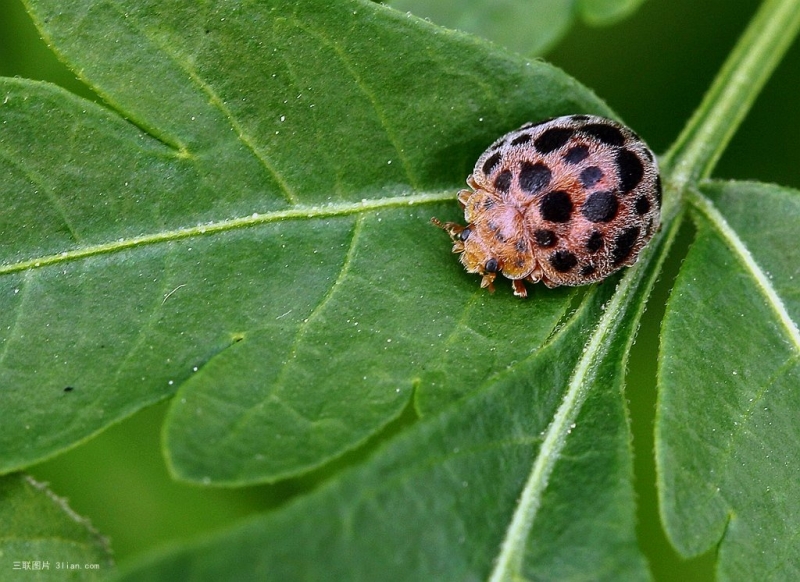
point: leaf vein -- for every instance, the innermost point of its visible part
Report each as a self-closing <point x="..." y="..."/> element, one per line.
<point x="248" y="141"/>
<point x="219" y="103"/>
<point x="508" y="565"/>
<point x="322" y="150"/>
<point x="20" y="308"/>
<point x="298" y="212"/>
<point x="362" y="86"/>
<point x="299" y="335"/>
<point x="143" y="330"/>
<point x="740" y="251"/>
<point x="745" y="417"/>
<point x="54" y="200"/>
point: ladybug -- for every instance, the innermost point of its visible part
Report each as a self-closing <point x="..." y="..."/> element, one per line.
<point x="567" y="201"/>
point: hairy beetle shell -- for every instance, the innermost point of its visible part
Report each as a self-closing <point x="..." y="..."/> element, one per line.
<point x="567" y="201"/>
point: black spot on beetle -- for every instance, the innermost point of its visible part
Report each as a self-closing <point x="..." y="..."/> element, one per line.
<point x="519" y="140"/>
<point x="552" y="139"/>
<point x="642" y="205"/>
<point x="545" y="238"/>
<point x="576" y="154"/>
<point x="491" y="163"/>
<point x="595" y="242"/>
<point x="588" y="270"/>
<point x="591" y="176"/>
<point x="503" y="181"/>
<point x="563" y="261"/>
<point x="608" y="134"/>
<point x="534" y="177"/>
<point x="623" y="245"/>
<point x="630" y="168"/>
<point x="556" y="206"/>
<point x="600" y="207"/>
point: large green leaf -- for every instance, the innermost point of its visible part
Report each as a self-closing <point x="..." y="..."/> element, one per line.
<point x="42" y="538"/>
<point x="254" y="237"/>
<point x="728" y="438"/>
<point x="244" y="222"/>
<point x="529" y="478"/>
<point x="527" y="26"/>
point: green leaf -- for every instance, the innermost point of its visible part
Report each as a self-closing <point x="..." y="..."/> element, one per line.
<point x="229" y="236"/>
<point x="442" y="501"/>
<point x="44" y="537"/>
<point x="604" y="12"/>
<point x="727" y="437"/>
<point x="243" y="225"/>
<point x="526" y="26"/>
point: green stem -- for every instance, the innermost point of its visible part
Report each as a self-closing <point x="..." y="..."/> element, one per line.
<point x="698" y="148"/>
<point x="691" y="158"/>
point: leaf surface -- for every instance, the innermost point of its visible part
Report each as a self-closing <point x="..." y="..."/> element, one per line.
<point x="253" y="237"/>
<point x="727" y="437"/>
<point x="443" y="500"/>
<point x="37" y="528"/>
<point x="529" y="27"/>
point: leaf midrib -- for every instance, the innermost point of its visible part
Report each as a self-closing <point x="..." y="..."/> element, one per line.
<point x="299" y="212"/>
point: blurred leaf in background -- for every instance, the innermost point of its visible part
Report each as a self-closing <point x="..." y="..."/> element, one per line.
<point x="528" y="27"/>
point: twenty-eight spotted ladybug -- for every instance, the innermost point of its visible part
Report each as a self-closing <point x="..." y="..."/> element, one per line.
<point x="567" y="201"/>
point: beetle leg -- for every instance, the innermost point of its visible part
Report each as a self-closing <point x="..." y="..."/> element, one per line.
<point x="488" y="282"/>
<point x="452" y="228"/>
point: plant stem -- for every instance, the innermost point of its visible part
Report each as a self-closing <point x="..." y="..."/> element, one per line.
<point x="698" y="148"/>
<point x="691" y="158"/>
<point x="627" y="303"/>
